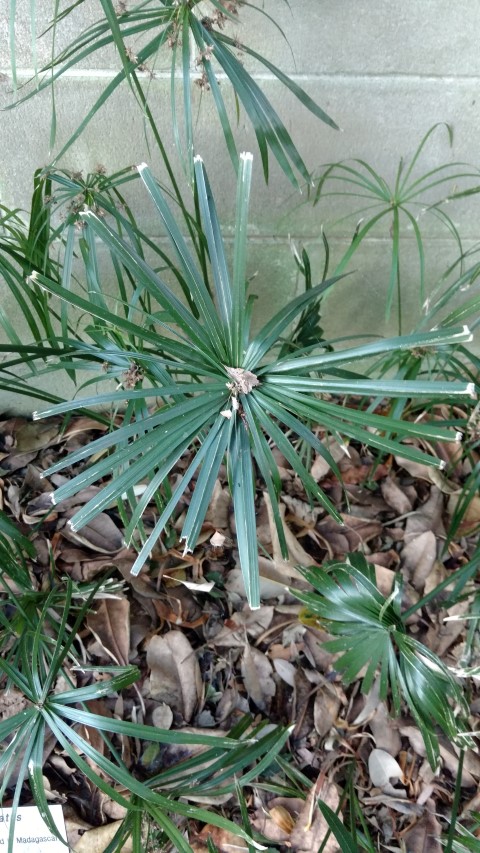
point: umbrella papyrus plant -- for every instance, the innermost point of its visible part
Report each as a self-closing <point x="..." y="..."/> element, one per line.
<point x="224" y="393"/>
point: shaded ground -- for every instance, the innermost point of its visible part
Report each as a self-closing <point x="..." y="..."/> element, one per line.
<point x="206" y="659"/>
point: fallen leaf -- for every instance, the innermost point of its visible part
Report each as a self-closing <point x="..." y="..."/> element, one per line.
<point x="350" y="536"/>
<point x="101" y="534"/>
<point x="427" y="517"/>
<point x="419" y="556"/>
<point x="285" y="670"/>
<point x="427" y="472"/>
<point x="97" y="840"/>
<point x="325" y="709"/>
<point x="425" y="835"/>
<point x="34" y="435"/>
<point x="470" y="522"/>
<point x="395" y="497"/>
<point x="382" y="767"/>
<point x="110" y="624"/>
<point x="320" y="467"/>
<point x="162" y="716"/>
<point x="257" y="676"/>
<point x="224" y="841"/>
<point x="174" y="673"/>
<point x="311" y="827"/>
<point x="385" y="731"/>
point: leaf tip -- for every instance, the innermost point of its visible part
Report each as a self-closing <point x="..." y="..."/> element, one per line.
<point x="470" y="390"/>
<point x="187" y="549"/>
<point x="246" y="156"/>
<point x="198" y="159"/>
<point x="141" y="167"/>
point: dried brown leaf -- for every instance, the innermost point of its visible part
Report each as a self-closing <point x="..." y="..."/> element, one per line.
<point x="470" y="522"/>
<point x="419" y="557"/>
<point x="395" y="497"/>
<point x="34" y="435"/>
<point x="257" y="676"/>
<point x="225" y="841"/>
<point x="325" y="709"/>
<point x="426" y="472"/>
<point x="101" y="534"/>
<point x="97" y="840"/>
<point x="384" y="730"/>
<point x="311" y="827"/>
<point x="427" y="517"/>
<point x="110" y="625"/>
<point x="382" y="767"/>
<point x="174" y="673"/>
<point x="320" y="467"/>
<point x="350" y="536"/>
<point x="424" y="836"/>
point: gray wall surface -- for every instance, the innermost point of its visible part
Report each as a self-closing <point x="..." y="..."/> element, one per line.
<point x="385" y="71"/>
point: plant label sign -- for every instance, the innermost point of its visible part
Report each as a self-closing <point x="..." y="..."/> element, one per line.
<point x="31" y="834"/>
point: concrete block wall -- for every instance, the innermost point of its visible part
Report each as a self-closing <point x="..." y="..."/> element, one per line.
<point x="386" y="72"/>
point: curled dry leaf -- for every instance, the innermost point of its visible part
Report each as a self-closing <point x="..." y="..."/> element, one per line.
<point x="100" y="534"/>
<point x="419" y="557"/>
<point x="382" y="767"/>
<point x="325" y="709"/>
<point x="427" y="517"/>
<point x="174" y="673"/>
<point x="285" y="670"/>
<point x="395" y="497"/>
<point x="257" y="676"/>
<point x="385" y="731"/>
<point x="110" y="625"/>
<point x="320" y="467"/>
<point x="426" y="472"/>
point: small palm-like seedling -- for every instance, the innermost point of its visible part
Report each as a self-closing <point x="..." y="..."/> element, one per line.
<point x="370" y="632"/>
<point x="193" y="33"/>
<point x="405" y="201"/>
<point x="221" y="395"/>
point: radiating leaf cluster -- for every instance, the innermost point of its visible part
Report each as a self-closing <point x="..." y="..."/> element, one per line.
<point x="400" y="206"/>
<point x="192" y="36"/>
<point x="39" y="647"/>
<point x="198" y="363"/>
<point x="370" y="632"/>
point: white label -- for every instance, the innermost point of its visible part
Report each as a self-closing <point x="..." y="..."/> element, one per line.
<point x="31" y="834"/>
